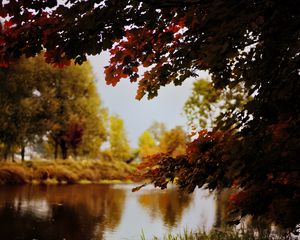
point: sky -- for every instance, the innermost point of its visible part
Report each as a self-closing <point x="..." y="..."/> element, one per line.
<point x="138" y="115"/>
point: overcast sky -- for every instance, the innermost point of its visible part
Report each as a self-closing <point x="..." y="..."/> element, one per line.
<point x="138" y="115"/>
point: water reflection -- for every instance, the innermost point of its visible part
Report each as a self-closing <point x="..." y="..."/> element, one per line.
<point x="59" y="212"/>
<point x="84" y="212"/>
<point x="166" y="204"/>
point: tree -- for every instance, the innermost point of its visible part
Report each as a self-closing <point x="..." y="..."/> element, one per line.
<point x="79" y="119"/>
<point x="253" y="43"/>
<point x="157" y="139"/>
<point x="119" y="145"/>
<point x="61" y="104"/>
<point x="174" y="142"/>
<point x="157" y="129"/>
<point x="147" y="145"/>
<point x="25" y="112"/>
<point x="207" y="106"/>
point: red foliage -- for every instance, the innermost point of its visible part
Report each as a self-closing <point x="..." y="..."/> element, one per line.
<point x="74" y="134"/>
<point x="56" y="59"/>
<point x="8" y="24"/>
<point x="141" y="46"/>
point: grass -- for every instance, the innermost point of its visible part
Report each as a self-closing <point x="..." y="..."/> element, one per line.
<point x="212" y="235"/>
<point x="64" y="172"/>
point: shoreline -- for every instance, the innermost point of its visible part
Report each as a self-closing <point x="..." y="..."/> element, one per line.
<point x="65" y="172"/>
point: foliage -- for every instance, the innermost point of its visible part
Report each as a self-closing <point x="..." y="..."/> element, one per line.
<point x="207" y="106"/>
<point x="147" y="144"/>
<point x="23" y="106"/>
<point x="157" y="139"/>
<point x="209" y="164"/>
<point x="157" y="130"/>
<point x="38" y="101"/>
<point x="79" y="119"/>
<point x="173" y="141"/>
<point x="119" y="144"/>
<point x="252" y="43"/>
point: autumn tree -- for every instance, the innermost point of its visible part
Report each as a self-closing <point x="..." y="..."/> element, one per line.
<point x="147" y="144"/>
<point x="149" y="141"/>
<point x="252" y="43"/>
<point x="120" y="149"/>
<point x="174" y="141"/>
<point x="157" y="139"/>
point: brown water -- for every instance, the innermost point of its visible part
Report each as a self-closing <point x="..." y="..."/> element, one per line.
<point x="84" y="212"/>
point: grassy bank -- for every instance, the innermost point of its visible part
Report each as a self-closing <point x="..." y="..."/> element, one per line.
<point x="64" y="171"/>
<point x="219" y="235"/>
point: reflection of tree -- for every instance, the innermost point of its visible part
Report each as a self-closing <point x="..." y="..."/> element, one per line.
<point x="169" y="204"/>
<point x="72" y="212"/>
<point x="65" y="223"/>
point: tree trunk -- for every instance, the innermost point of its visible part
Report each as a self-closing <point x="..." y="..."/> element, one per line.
<point x="218" y="221"/>
<point x="5" y="155"/>
<point x="23" y="153"/>
<point x="55" y="149"/>
<point x="6" y="152"/>
<point x="75" y="152"/>
<point x="64" y="149"/>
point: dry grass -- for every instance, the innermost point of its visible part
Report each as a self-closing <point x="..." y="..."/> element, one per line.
<point x="63" y="171"/>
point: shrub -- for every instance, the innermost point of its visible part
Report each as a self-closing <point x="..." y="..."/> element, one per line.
<point x="12" y="174"/>
<point x="88" y="174"/>
<point x="63" y="174"/>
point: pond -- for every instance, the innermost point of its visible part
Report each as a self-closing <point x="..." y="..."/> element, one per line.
<point x="85" y="212"/>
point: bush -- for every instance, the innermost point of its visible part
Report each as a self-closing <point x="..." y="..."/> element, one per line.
<point x="88" y="174"/>
<point x="62" y="174"/>
<point x="12" y="174"/>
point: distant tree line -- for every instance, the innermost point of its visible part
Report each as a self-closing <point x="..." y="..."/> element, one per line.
<point x="57" y="112"/>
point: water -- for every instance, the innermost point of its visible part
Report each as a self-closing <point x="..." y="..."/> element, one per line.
<point x="84" y="212"/>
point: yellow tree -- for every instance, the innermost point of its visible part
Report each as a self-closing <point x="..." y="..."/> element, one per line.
<point x="119" y="144"/>
<point x="174" y="141"/>
<point x="147" y="144"/>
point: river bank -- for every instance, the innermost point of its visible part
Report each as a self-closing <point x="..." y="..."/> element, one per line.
<point x="64" y="172"/>
<point x="230" y="234"/>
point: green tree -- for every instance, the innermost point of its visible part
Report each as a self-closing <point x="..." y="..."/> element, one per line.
<point x="119" y="144"/>
<point x="253" y="43"/>
<point x="79" y="113"/>
<point x="63" y="105"/>
<point x="25" y="112"/>
<point x="157" y="129"/>
<point x="207" y="106"/>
